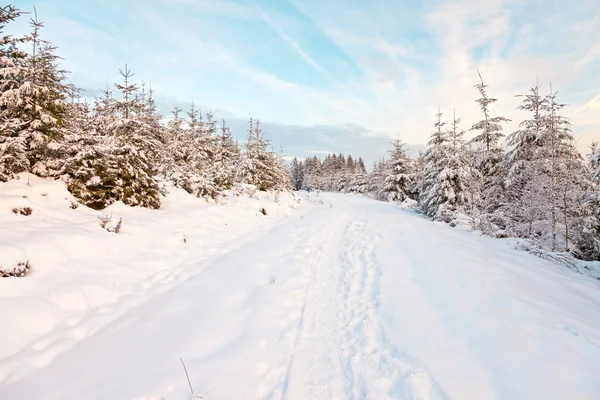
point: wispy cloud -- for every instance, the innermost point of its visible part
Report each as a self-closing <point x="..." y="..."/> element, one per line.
<point x="292" y="43"/>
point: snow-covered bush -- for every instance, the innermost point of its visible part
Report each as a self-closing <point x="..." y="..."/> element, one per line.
<point x="20" y="269"/>
<point x="13" y="262"/>
<point x="106" y="222"/>
<point x="26" y="211"/>
<point x="244" y="190"/>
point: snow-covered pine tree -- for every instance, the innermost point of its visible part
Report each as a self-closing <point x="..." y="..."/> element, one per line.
<point x="139" y="140"/>
<point x="350" y="163"/>
<point x="260" y="167"/>
<point x="225" y="159"/>
<point x="520" y="210"/>
<point x="247" y="169"/>
<point x="121" y="160"/>
<point x="90" y="168"/>
<point x="594" y="164"/>
<point x="360" y="165"/>
<point x="342" y="176"/>
<point x="426" y="181"/>
<point x="33" y="103"/>
<point x="360" y="182"/>
<point x="207" y="176"/>
<point x="588" y="240"/>
<point x="546" y="176"/>
<point x="443" y="182"/>
<point x="358" y="178"/>
<point x="312" y="173"/>
<point x="280" y="173"/>
<point x="397" y="182"/>
<point x="328" y="169"/>
<point x="466" y="180"/>
<point x="377" y="177"/>
<point x="488" y="140"/>
<point x="13" y="157"/>
<point x="563" y="167"/>
<point x="297" y="174"/>
<point x="176" y="164"/>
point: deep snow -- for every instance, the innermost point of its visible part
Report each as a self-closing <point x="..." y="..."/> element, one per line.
<point x="340" y="297"/>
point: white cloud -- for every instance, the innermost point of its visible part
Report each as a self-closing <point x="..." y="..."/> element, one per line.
<point x="493" y="36"/>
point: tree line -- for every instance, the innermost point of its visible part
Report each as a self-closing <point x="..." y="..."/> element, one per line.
<point x="119" y="148"/>
<point x="532" y="184"/>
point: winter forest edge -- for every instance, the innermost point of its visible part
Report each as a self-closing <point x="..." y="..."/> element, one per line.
<point x="531" y="184"/>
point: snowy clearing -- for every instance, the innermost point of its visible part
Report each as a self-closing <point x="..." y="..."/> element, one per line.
<point x="346" y="299"/>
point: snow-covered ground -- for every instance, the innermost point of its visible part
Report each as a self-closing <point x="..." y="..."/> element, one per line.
<point x="84" y="277"/>
<point x="340" y="297"/>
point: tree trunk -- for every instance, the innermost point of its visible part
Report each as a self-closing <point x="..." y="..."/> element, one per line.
<point x="566" y="221"/>
<point x="553" y="226"/>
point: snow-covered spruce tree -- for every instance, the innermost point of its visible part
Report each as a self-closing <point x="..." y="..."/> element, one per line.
<point x="260" y="167"/>
<point x="13" y="158"/>
<point x="297" y="174"/>
<point x="488" y="140"/>
<point x="466" y="179"/>
<point x="282" y="178"/>
<point x="360" y="183"/>
<point x="563" y="169"/>
<point x="249" y="168"/>
<point x="342" y="175"/>
<point x="594" y="164"/>
<point x="360" y="166"/>
<point x="327" y="171"/>
<point x="443" y="182"/>
<point x="546" y="185"/>
<point x="179" y="163"/>
<point x="91" y="168"/>
<point x="225" y="158"/>
<point x="201" y="176"/>
<point x="377" y="177"/>
<point x="486" y="154"/>
<point x="520" y="209"/>
<point x="121" y="161"/>
<point x="139" y="139"/>
<point x="332" y="167"/>
<point x="312" y="173"/>
<point x="588" y="241"/>
<point x="33" y="103"/>
<point x="398" y="181"/>
<point x="426" y="180"/>
<point x="350" y="164"/>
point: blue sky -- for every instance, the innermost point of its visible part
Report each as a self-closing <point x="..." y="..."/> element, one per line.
<point x="337" y="75"/>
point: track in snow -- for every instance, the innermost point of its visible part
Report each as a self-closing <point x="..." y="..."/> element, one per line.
<point x="342" y="351"/>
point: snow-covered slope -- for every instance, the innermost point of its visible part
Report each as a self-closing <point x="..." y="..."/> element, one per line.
<point x="83" y="276"/>
<point x="347" y="299"/>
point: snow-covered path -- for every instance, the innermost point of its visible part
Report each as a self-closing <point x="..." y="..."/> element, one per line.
<point x="354" y="299"/>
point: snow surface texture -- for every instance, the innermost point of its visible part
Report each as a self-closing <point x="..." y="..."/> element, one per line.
<point x="84" y="277"/>
<point x="347" y="299"/>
